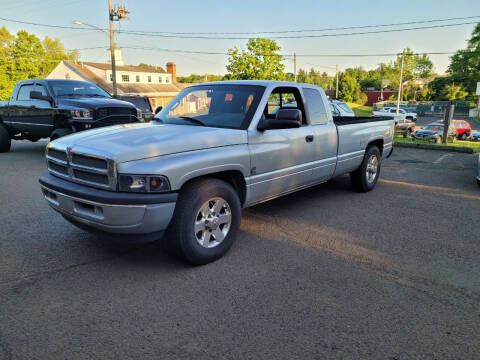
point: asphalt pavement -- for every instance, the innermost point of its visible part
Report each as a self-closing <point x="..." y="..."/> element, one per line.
<point x="325" y="273"/>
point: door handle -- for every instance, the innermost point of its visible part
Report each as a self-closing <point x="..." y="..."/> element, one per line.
<point x="309" y="138"/>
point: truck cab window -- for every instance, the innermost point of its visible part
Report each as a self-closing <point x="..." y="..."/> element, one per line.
<point x="24" y="93"/>
<point x="283" y="98"/>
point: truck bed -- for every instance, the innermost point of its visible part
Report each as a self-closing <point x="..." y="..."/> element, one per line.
<point x="347" y="120"/>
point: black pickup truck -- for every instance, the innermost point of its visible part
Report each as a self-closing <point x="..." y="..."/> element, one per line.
<point x="51" y="108"/>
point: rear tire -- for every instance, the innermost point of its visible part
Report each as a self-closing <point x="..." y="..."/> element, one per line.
<point x="366" y="176"/>
<point x="58" y="133"/>
<point x="463" y="137"/>
<point x="205" y="222"/>
<point x="5" y="140"/>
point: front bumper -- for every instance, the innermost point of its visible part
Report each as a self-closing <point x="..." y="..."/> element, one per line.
<point x="107" y="211"/>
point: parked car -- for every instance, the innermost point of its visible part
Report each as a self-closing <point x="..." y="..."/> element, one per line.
<point x="141" y="103"/>
<point x="476" y="136"/>
<point x="404" y="127"/>
<point x="434" y="132"/>
<point x="52" y="108"/>
<point x="391" y="111"/>
<point x="463" y="128"/>
<point x="191" y="170"/>
<point x="340" y="108"/>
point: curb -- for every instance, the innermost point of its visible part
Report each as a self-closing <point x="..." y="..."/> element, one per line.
<point x="435" y="147"/>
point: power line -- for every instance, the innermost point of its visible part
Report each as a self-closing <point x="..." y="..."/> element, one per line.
<point x="283" y="55"/>
<point x="311" y="30"/>
<point x="136" y="33"/>
<point x="164" y="35"/>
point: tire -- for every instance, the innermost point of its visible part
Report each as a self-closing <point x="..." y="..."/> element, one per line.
<point x="408" y="134"/>
<point x="194" y="212"/>
<point x="364" y="179"/>
<point x="464" y="136"/>
<point x="5" y="140"/>
<point x="58" y="133"/>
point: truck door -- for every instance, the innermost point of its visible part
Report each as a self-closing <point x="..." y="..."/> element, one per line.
<point x="20" y="108"/>
<point x="325" y="132"/>
<point x="280" y="158"/>
<point x="42" y="113"/>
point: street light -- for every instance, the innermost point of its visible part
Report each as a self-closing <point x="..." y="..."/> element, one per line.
<point x="78" y="22"/>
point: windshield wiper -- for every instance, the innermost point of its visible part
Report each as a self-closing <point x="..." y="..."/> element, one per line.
<point x="192" y="120"/>
<point x="68" y="95"/>
<point x="93" y="95"/>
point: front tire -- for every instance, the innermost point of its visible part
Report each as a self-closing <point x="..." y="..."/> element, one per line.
<point x="5" y="140"/>
<point x="463" y="137"/>
<point x="205" y="222"/>
<point x="366" y="176"/>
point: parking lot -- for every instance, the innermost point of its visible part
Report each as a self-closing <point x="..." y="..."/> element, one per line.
<point x="323" y="273"/>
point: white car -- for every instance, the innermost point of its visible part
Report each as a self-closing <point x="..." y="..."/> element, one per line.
<point x="402" y="113"/>
<point x="340" y="108"/>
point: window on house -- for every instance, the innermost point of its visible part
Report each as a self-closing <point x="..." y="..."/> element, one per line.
<point x="149" y="78"/>
<point x="126" y="78"/>
<point x="111" y="77"/>
<point x="138" y="78"/>
<point x="154" y="103"/>
<point x="160" y="79"/>
<point x="67" y="76"/>
<point x="167" y="80"/>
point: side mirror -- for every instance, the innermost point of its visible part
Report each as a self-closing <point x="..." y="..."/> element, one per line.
<point x="158" y="109"/>
<point x="37" y="95"/>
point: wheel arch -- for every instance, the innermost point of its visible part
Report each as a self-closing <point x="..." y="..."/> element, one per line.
<point x="233" y="177"/>
<point x="378" y="143"/>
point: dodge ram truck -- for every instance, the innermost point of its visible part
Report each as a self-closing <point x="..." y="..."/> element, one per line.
<point x="214" y="149"/>
<point x="51" y="108"/>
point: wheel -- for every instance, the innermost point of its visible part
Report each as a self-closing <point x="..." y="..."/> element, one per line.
<point x="205" y="221"/>
<point x="464" y="136"/>
<point x="58" y="133"/>
<point x="366" y="176"/>
<point x="5" y="140"/>
<point x="408" y="134"/>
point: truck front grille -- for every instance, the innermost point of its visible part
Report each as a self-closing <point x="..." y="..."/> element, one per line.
<point x="80" y="167"/>
<point x="110" y="111"/>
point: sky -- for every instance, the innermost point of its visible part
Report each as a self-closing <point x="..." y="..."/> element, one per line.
<point x="250" y="16"/>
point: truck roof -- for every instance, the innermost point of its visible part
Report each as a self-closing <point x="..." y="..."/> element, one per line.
<point x="266" y="83"/>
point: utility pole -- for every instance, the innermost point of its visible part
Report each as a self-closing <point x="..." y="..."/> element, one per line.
<point x="295" y="66"/>
<point x="400" y="86"/>
<point x="447" y="120"/>
<point x="120" y="12"/>
<point x="336" y="88"/>
<point x="381" y="81"/>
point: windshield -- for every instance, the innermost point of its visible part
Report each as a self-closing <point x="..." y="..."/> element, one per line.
<point x="433" y="127"/>
<point x="344" y="107"/>
<point x="225" y="106"/>
<point x="77" y="89"/>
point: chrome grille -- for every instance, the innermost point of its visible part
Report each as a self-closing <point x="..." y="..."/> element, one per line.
<point x="104" y="112"/>
<point x="82" y="166"/>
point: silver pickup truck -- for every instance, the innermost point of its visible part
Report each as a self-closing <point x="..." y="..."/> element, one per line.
<point x="214" y="149"/>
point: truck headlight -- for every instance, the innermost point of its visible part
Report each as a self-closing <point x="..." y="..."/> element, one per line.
<point x="81" y="114"/>
<point x="143" y="183"/>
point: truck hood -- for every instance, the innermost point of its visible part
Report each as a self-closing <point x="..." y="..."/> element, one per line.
<point x="140" y="141"/>
<point x="92" y="102"/>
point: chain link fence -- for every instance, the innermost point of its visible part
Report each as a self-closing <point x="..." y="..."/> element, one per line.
<point x="428" y="108"/>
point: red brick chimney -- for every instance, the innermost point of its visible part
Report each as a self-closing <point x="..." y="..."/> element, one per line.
<point x="172" y="69"/>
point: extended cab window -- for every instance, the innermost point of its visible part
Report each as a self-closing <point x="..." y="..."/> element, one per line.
<point x="24" y="93"/>
<point x="316" y="109"/>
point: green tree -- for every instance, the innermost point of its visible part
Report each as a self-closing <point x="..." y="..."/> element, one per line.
<point x="454" y="92"/>
<point x="349" y="87"/>
<point x="261" y="60"/>
<point x="464" y="68"/>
